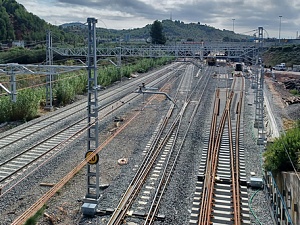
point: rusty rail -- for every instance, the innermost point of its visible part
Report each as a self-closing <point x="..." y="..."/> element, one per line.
<point x="212" y="162"/>
<point x="42" y="201"/>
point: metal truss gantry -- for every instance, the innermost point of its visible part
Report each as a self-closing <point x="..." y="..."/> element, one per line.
<point x="13" y="69"/>
<point x="243" y="50"/>
<point x="259" y="97"/>
<point x="259" y="105"/>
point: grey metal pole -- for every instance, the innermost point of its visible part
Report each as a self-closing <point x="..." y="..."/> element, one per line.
<point x="92" y="196"/>
<point x="279" y="27"/>
<point x="49" y="76"/>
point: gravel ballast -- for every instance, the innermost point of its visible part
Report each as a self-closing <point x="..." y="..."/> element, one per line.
<point x="65" y="207"/>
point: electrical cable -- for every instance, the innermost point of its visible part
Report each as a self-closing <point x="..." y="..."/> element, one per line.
<point x="41" y="84"/>
<point x="290" y="159"/>
<point x="250" y="206"/>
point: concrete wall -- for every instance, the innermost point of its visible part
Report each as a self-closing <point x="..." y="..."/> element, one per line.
<point x="289" y="184"/>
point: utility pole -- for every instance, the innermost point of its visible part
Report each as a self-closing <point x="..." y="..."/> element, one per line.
<point x="92" y="196"/>
<point x="279" y="27"/>
<point x="49" y="76"/>
<point x="233" y="25"/>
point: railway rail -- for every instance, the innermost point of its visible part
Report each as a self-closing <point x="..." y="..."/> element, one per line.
<point x="161" y="158"/>
<point x="29" y="129"/>
<point x="221" y="195"/>
<point x="221" y="190"/>
<point x="38" y="204"/>
<point x="70" y="127"/>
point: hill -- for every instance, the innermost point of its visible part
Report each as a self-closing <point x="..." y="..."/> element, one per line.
<point x="178" y="31"/>
<point x="16" y="23"/>
<point x="288" y="54"/>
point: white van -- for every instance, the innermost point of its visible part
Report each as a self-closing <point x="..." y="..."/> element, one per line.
<point x="279" y="67"/>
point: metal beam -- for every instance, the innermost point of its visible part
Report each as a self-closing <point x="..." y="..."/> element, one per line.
<point x="92" y="196"/>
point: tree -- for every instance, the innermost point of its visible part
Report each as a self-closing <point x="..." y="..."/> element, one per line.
<point x="156" y="33"/>
<point x="276" y="157"/>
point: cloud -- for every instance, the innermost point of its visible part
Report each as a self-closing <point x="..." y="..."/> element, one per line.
<point x="119" y="14"/>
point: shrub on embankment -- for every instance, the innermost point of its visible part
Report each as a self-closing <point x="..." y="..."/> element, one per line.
<point x="31" y="91"/>
<point x="288" y="54"/>
<point x="282" y="154"/>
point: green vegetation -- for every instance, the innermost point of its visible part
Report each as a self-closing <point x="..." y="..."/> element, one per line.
<point x="18" y="24"/>
<point x="65" y="88"/>
<point x="294" y="92"/>
<point x="33" y="220"/>
<point x="23" y="55"/>
<point x="276" y="157"/>
<point x="156" y="33"/>
<point x="25" y="108"/>
<point x="177" y="31"/>
<point x="288" y="54"/>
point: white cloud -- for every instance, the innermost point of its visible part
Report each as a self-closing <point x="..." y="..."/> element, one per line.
<point x="125" y="14"/>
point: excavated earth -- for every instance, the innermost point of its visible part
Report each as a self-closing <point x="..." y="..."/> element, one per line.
<point x="280" y="97"/>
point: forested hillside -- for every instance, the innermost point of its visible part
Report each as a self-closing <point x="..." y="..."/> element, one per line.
<point x="179" y="31"/>
<point x="18" y="24"/>
<point x="288" y="54"/>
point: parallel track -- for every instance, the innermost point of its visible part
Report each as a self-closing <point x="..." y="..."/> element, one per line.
<point x="160" y="161"/>
<point x="30" y="129"/>
<point x="14" y="167"/>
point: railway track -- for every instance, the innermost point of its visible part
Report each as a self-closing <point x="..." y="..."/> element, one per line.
<point x="28" y="130"/>
<point x="221" y="191"/>
<point x="146" y="190"/>
<point x="40" y="202"/>
<point x="17" y="163"/>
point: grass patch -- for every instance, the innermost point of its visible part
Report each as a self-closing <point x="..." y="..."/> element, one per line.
<point x="294" y="92"/>
<point x="33" y="220"/>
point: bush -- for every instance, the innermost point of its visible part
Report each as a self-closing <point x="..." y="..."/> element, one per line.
<point x="276" y="157"/>
<point x="64" y="92"/>
<point x="5" y="108"/>
<point x="294" y="92"/>
<point x="79" y="83"/>
<point x="27" y="105"/>
<point x="65" y="88"/>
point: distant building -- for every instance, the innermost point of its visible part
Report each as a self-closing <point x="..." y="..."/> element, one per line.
<point x="18" y="43"/>
<point x="74" y="26"/>
<point x="296" y="68"/>
<point x="4" y="46"/>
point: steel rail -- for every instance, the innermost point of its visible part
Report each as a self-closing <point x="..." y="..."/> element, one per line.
<point x="204" y="197"/>
<point x="82" y="106"/>
<point x="215" y="159"/>
<point x="127" y="200"/>
<point x="143" y="171"/>
<point x="166" y="176"/>
<point x="234" y="181"/>
<point x="42" y="201"/>
<point x="212" y="160"/>
<point x="237" y="156"/>
<point x="107" y="111"/>
<point x="205" y="213"/>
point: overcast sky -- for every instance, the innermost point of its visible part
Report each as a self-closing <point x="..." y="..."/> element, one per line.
<point x="248" y="15"/>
